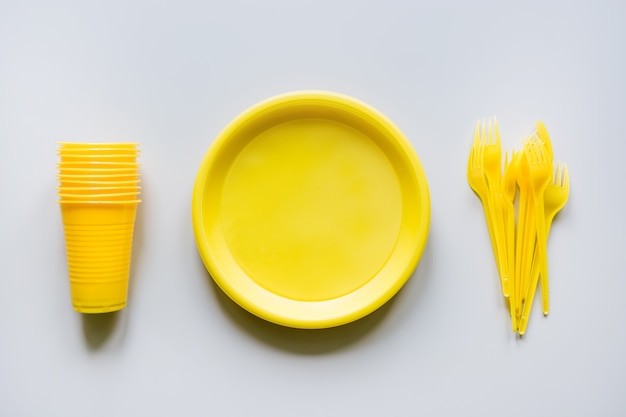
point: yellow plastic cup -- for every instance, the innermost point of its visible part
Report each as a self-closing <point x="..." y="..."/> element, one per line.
<point x="112" y="198"/>
<point x="99" y="184"/>
<point x="98" y="162"/>
<point x="80" y="158"/>
<point x="97" y="171"/>
<point x="84" y="146"/>
<point x="103" y="154"/>
<point x="98" y="195"/>
<point x="106" y="237"/>
<point x="103" y="200"/>
<point x="98" y="149"/>
<point x="104" y="167"/>
<point x="93" y="161"/>
<point x="99" y="190"/>
<point x="98" y="177"/>
<point x="98" y="239"/>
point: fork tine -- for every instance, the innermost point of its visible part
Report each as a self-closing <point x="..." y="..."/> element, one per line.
<point x="481" y="152"/>
<point x="476" y="160"/>
<point x="483" y="134"/>
<point x="565" y="177"/>
<point x="542" y="150"/>
<point x="537" y="150"/>
<point x="496" y="130"/>
<point x="528" y="150"/>
<point x="477" y="135"/>
<point x="477" y="141"/>
<point x="470" y="161"/>
<point x="559" y="175"/>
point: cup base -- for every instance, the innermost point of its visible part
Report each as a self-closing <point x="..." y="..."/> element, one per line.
<point x="98" y="241"/>
<point x="94" y="297"/>
<point x="99" y="310"/>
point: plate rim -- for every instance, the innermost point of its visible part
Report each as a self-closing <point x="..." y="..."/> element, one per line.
<point x="211" y="263"/>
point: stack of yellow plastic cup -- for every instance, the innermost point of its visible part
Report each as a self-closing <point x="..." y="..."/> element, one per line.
<point x="98" y="194"/>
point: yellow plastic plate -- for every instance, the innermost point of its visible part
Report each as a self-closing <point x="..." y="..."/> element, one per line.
<point x="311" y="209"/>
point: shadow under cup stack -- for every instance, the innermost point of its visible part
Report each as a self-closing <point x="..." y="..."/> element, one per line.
<point x="98" y="194"/>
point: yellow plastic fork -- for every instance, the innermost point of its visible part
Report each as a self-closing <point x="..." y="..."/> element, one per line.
<point x="540" y="170"/>
<point x="508" y="210"/>
<point x="492" y="160"/>
<point x="544" y="138"/>
<point x="478" y="182"/>
<point x="529" y="233"/>
<point x="555" y="197"/>
<point x="522" y="172"/>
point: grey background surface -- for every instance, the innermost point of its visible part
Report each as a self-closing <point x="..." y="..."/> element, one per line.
<point x="171" y="75"/>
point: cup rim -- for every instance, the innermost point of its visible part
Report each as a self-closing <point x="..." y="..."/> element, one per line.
<point x="86" y="177"/>
<point x="112" y="188"/>
<point x="97" y="144"/>
<point x="96" y="202"/>
<point x="92" y="157"/>
<point x="96" y="171"/>
<point x="97" y="165"/>
<point x="129" y="182"/>
<point x="71" y="195"/>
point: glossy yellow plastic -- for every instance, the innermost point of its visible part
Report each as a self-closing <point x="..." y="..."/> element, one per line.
<point x="311" y="209"/>
<point x="84" y="172"/>
<point x="527" y="224"/>
<point x="508" y="212"/>
<point x="492" y="159"/>
<point x="91" y="146"/>
<point x="528" y="233"/>
<point x="544" y="139"/>
<point x="555" y="198"/>
<point x="98" y="183"/>
<point x="100" y="151"/>
<point x="540" y="172"/>
<point x="485" y="178"/>
<point x="98" y="239"/>
<point x="96" y="178"/>
<point x="540" y="198"/>
<point x="97" y="151"/>
<point x="96" y="201"/>
<point x="478" y="182"/>
<point x="107" y="158"/>
<point x="98" y="189"/>
<point x="82" y="198"/>
<point x="102" y="155"/>
<point x="98" y="197"/>
<point x="95" y="162"/>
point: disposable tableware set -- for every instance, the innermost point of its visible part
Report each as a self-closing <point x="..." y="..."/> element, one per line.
<point x="310" y="210"/>
<point x="519" y="247"/>
<point x="98" y="194"/>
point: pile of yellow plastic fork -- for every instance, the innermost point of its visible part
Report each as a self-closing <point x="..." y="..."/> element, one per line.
<point x="519" y="245"/>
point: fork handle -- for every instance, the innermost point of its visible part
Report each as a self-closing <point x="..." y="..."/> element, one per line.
<point x="527" y="235"/>
<point x="536" y="265"/>
<point x="519" y="246"/>
<point x="495" y="210"/>
<point x="540" y="254"/>
<point x="542" y="251"/>
<point x="508" y="211"/>
<point x="492" y="238"/>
